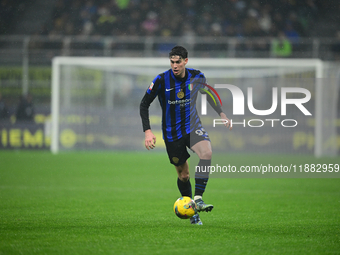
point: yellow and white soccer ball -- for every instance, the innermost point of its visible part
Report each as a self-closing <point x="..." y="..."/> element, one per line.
<point x="185" y="207"/>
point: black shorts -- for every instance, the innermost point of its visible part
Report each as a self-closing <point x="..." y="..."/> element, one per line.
<point x="177" y="150"/>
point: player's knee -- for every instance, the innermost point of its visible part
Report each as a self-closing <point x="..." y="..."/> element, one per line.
<point x="183" y="172"/>
<point x="184" y="177"/>
<point x="206" y="154"/>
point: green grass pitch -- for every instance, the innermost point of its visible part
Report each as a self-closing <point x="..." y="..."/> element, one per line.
<point x="121" y="203"/>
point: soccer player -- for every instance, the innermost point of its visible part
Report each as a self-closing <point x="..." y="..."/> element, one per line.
<point x="177" y="90"/>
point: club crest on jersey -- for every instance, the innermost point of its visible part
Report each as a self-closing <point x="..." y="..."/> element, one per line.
<point x="180" y="94"/>
<point x="151" y="86"/>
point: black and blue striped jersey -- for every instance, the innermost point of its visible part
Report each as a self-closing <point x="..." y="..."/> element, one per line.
<point x="177" y="98"/>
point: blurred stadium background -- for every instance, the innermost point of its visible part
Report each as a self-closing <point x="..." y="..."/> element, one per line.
<point x="33" y="32"/>
<point x="120" y="201"/>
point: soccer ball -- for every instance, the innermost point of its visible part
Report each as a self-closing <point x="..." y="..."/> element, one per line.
<point x="185" y="207"/>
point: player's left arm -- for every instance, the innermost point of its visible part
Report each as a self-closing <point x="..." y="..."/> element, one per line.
<point x="214" y="101"/>
<point x="227" y="123"/>
<point x="215" y="104"/>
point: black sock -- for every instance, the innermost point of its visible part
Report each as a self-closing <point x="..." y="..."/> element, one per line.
<point x="184" y="188"/>
<point x="202" y="176"/>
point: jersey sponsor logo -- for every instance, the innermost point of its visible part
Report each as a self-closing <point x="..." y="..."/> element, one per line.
<point x="169" y="89"/>
<point x="182" y="103"/>
<point x="179" y="101"/>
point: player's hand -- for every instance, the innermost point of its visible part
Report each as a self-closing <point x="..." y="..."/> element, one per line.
<point x="150" y="139"/>
<point x="228" y="123"/>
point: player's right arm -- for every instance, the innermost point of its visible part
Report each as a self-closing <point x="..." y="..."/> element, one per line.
<point x="150" y="94"/>
<point x="150" y="139"/>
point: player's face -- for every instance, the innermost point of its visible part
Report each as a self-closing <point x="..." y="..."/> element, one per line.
<point x="178" y="66"/>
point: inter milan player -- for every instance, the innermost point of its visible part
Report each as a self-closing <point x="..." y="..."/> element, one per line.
<point x="177" y="90"/>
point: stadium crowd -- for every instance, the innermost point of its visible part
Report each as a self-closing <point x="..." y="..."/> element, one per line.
<point x="10" y="10"/>
<point x="252" y="18"/>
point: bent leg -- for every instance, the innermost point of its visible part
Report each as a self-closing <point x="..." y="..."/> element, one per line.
<point x="203" y="149"/>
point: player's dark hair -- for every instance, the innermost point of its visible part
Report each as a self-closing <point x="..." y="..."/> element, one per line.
<point x="178" y="51"/>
